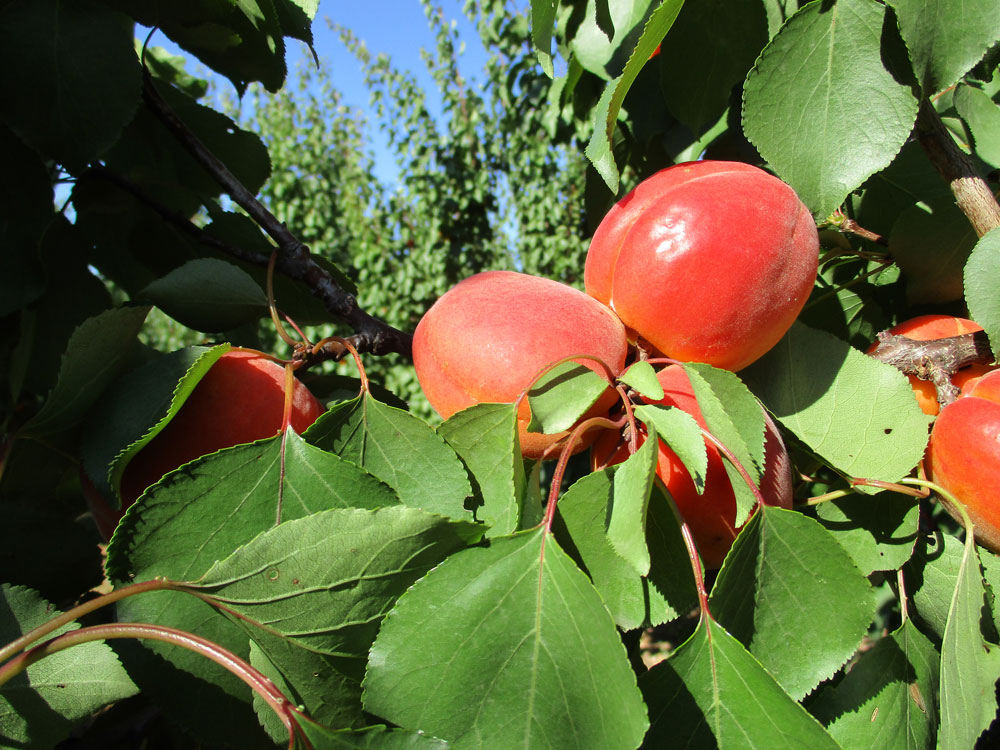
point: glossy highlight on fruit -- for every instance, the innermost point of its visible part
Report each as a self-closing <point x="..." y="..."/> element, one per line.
<point x="938" y="326"/>
<point x="239" y="400"/>
<point x="711" y="515"/>
<point x="707" y="261"/>
<point x="963" y="456"/>
<point x="488" y="338"/>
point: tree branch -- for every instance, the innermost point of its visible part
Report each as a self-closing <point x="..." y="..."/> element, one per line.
<point x="294" y="258"/>
<point x="971" y="191"/>
<point x="935" y="360"/>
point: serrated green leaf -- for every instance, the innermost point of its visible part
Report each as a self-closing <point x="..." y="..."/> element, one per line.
<point x="945" y="38"/>
<point x="135" y="408"/>
<point x="398" y="448"/>
<point x="824" y="79"/>
<point x="39" y="707"/>
<point x="207" y="295"/>
<point x="642" y="377"/>
<point x="73" y="80"/>
<point x="326" y="580"/>
<point x="708" y="50"/>
<point x="712" y="693"/>
<point x="887" y="699"/>
<point x="970" y="666"/>
<point x="606" y="113"/>
<point x="605" y="54"/>
<point x="931" y="576"/>
<point x="982" y="278"/>
<point x="485" y="437"/>
<point x="562" y="395"/>
<point x="95" y="355"/>
<point x="543" y="15"/>
<point x="661" y="596"/>
<point x="734" y="416"/>
<point x="982" y="116"/>
<point x="682" y="433"/>
<point x="879" y="532"/>
<point x="631" y="487"/>
<point x="858" y="414"/>
<point x="540" y="664"/>
<point x="782" y="578"/>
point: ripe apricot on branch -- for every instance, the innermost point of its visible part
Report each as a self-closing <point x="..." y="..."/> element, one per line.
<point x="963" y="456"/>
<point x="711" y="516"/>
<point x="240" y="399"/>
<point x="488" y="337"/>
<point x="707" y="261"/>
<point x="929" y="328"/>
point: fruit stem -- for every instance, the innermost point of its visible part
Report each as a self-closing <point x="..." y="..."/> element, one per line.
<point x="731" y="457"/>
<point x="950" y="501"/>
<point x="365" y="388"/>
<point x="275" y="318"/>
<point x="893" y="486"/>
<point x="257" y="681"/>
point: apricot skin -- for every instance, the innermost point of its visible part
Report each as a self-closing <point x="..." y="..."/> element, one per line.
<point x="239" y="400"/>
<point x="928" y="328"/>
<point x="489" y="337"/>
<point x="707" y="261"/>
<point x="963" y="456"/>
<point x="711" y="516"/>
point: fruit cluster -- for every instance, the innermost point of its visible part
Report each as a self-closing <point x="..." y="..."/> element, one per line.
<point x="703" y="262"/>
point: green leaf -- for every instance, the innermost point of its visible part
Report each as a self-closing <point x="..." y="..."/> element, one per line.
<point x="543" y="15"/>
<point x="562" y="395"/>
<point x="712" y="693"/>
<point x="879" y="531"/>
<point x="887" y="699"/>
<point x="369" y="738"/>
<point x="681" y="432"/>
<point x="506" y="646"/>
<point x="72" y="80"/>
<point x="602" y="54"/>
<point x="207" y="295"/>
<point x="970" y="665"/>
<point x="642" y="377"/>
<point x="857" y="414"/>
<point x="398" y="448"/>
<point x="39" y="707"/>
<point x="708" y="50"/>
<point x="734" y="416"/>
<point x="137" y="407"/>
<point x="981" y="281"/>
<point x="626" y="525"/>
<point x="931" y="576"/>
<point x="485" y="437"/>
<point x="326" y="580"/>
<point x="96" y="354"/>
<point x="635" y="601"/>
<point x="931" y="242"/>
<point x="982" y="115"/>
<point x="824" y="79"/>
<point x="945" y="38"/>
<point x="776" y="590"/>
<point x="606" y="113"/>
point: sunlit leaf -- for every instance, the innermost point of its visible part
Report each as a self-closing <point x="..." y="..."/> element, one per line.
<point x="981" y="279"/>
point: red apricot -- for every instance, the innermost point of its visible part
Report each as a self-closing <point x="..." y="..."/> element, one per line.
<point x="240" y="399"/>
<point x="928" y="328"/>
<point x="711" y="515"/>
<point x="963" y="456"/>
<point x="488" y="337"/>
<point x="708" y="261"/>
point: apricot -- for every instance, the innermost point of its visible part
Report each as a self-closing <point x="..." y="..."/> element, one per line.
<point x="707" y="261"/>
<point x="711" y="515"/>
<point x="240" y="399"/>
<point x="488" y="337"/>
<point x="963" y="456"/>
<point x="928" y="328"/>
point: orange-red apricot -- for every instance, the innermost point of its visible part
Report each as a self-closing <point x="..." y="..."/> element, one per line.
<point x="928" y="328"/>
<point x="488" y="337"/>
<point x="711" y="515"/>
<point x="963" y="456"/>
<point x="240" y="399"/>
<point x="707" y="261"/>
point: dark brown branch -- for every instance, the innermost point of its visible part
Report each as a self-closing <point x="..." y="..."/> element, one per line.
<point x="294" y="258"/>
<point x="971" y="191"/>
<point x="936" y="360"/>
